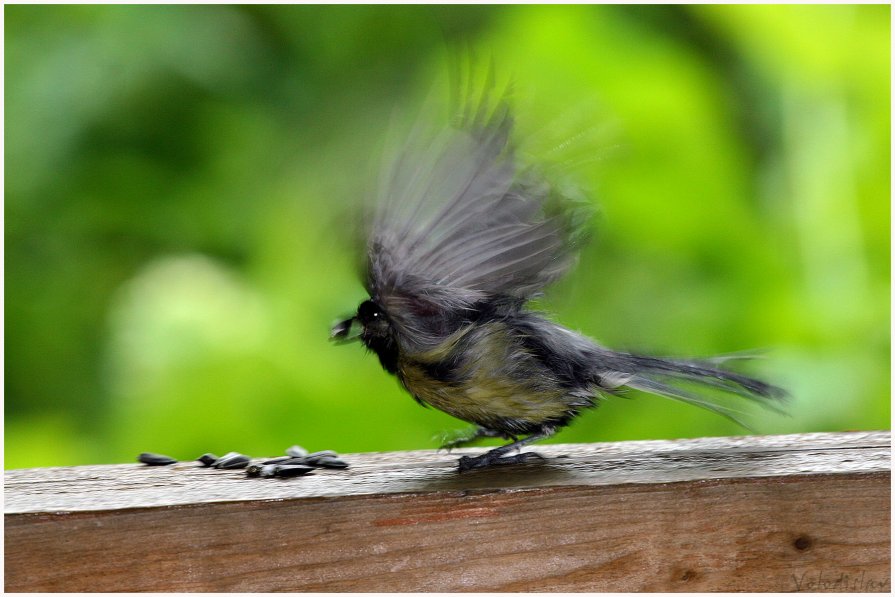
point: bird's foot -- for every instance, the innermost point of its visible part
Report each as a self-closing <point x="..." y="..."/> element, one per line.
<point x="458" y="439"/>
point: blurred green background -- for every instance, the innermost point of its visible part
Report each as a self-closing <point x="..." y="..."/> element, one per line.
<point x="176" y="178"/>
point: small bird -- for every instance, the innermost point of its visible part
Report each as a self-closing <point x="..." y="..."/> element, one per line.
<point x="462" y="236"/>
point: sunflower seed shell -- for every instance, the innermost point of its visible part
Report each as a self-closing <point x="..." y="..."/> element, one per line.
<point x="150" y="459"/>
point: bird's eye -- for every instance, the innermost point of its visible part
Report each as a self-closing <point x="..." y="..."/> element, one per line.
<point x="369" y="311"/>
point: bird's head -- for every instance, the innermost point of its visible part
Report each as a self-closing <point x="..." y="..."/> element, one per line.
<point x="370" y="325"/>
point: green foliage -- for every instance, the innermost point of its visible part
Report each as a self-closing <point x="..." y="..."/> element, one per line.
<point x="177" y="179"/>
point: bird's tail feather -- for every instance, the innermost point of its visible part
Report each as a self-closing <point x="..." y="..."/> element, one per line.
<point x="701" y="383"/>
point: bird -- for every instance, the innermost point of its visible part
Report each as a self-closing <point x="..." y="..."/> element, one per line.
<point x="462" y="235"/>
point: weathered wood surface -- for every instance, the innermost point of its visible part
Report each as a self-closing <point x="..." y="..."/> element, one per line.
<point x="780" y="513"/>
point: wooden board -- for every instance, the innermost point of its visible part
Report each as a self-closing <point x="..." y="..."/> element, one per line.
<point x="781" y="513"/>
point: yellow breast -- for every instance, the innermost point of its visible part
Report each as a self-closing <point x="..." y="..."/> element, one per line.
<point x="494" y="382"/>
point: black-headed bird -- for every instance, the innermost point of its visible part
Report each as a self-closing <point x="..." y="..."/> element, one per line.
<point x="462" y="236"/>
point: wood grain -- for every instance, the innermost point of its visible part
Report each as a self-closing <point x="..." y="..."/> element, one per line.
<point x="805" y="512"/>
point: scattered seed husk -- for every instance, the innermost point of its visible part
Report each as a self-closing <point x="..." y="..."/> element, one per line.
<point x="291" y="470"/>
<point x="326" y="461"/>
<point x="296" y="463"/>
<point x="269" y="470"/>
<point x="207" y="459"/>
<point x="232" y="460"/>
<point x="150" y="459"/>
<point x="278" y="460"/>
<point x="291" y="461"/>
<point x="296" y="452"/>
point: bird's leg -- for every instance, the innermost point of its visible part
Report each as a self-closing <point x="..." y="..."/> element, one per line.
<point x="496" y="456"/>
<point x="467" y="436"/>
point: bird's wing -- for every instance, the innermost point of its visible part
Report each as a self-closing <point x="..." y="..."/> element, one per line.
<point x="458" y="221"/>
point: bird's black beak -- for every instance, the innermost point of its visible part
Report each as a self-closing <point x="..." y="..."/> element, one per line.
<point x="346" y="331"/>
